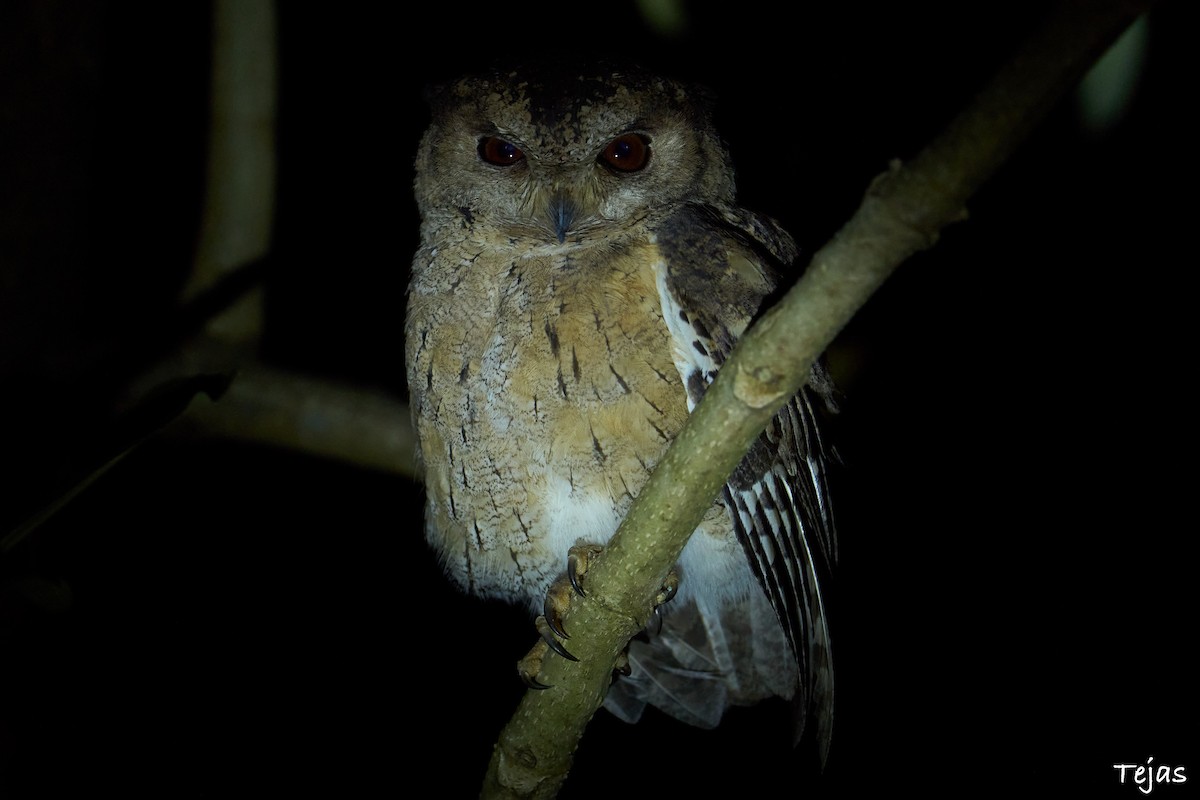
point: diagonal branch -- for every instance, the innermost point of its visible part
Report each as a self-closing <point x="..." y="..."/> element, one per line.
<point x="902" y="213"/>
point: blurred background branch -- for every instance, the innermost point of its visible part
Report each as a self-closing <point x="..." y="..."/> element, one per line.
<point x="265" y="404"/>
<point x="238" y="219"/>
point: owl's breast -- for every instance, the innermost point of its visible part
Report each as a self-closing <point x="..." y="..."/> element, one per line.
<point x="544" y="393"/>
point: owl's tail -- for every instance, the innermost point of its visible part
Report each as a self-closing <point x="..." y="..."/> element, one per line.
<point x="706" y="659"/>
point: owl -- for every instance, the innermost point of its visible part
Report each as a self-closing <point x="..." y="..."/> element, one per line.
<point x="584" y="270"/>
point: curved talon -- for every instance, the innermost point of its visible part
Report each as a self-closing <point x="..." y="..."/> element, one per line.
<point x="622" y="666"/>
<point x="668" y="590"/>
<point x="577" y="564"/>
<point x="553" y="620"/>
<point x="529" y="666"/>
<point x="573" y="574"/>
<point x="533" y="683"/>
<point x="557" y="647"/>
<point x="656" y="620"/>
<point x="551" y="640"/>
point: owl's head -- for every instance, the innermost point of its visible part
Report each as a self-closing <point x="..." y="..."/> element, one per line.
<point x="561" y="155"/>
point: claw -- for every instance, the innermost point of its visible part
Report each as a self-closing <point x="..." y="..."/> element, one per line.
<point x="529" y="666"/>
<point x="573" y="573"/>
<point x="669" y="588"/>
<point x="552" y="617"/>
<point x="656" y="622"/>
<point x="534" y="683"/>
<point x="577" y="564"/>
<point x="551" y="640"/>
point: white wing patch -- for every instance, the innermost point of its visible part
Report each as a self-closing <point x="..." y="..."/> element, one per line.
<point x="779" y="515"/>
<point x="691" y="351"/>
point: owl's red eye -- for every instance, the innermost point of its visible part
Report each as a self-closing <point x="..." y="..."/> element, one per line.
<point x="495" y="150"/>
<point x="627" y="153"/>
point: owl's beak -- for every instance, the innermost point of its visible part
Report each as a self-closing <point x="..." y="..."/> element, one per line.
<point x="562" y="211"/>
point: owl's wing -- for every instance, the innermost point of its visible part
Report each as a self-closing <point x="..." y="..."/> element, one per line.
<point x="720" y="272"/>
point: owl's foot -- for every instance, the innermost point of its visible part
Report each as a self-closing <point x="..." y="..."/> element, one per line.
<point x="578" y="558"/>
<point x="667" y="591"/>
<point x="529" y="666"/>
<point x="558" y="598"/>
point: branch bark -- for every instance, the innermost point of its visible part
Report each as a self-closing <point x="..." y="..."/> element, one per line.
<point x="903" y="212"/>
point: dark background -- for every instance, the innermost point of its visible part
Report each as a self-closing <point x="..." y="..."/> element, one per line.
<point x="1015" y="601"/>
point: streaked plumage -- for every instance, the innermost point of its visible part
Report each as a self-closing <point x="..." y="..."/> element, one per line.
<point x="566" y="313"/>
